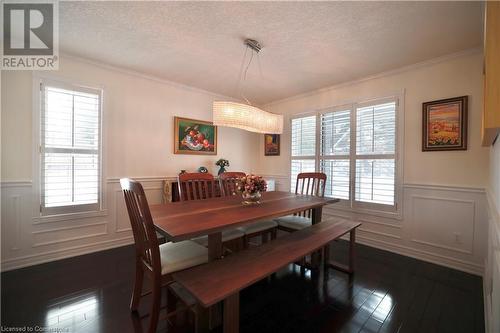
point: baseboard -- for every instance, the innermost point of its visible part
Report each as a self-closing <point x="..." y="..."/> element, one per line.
<point x="40" y="258"/>
<point x="449" y="262"/>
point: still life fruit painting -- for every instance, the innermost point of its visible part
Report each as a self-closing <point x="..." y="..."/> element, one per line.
<point x="194" y="137"/>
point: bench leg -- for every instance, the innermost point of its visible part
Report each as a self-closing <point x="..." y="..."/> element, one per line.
<point x="232" y="313"/>
<point x="349" y="268"/>
<point x="202" y="319"/>
<point x="315" y="219"/>
<point x="214" y="246"/>
<point x="265" y="237"/>
<point x="317" y="215"/>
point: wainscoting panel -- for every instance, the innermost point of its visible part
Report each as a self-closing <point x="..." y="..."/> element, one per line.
<point x="442" y="224"/>
<point x="28" y="239"/>
<point x="491" y="278"/>
<point x="434" y="217"/>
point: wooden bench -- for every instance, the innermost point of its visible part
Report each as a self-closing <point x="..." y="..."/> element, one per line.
<point x="222" y="280"/>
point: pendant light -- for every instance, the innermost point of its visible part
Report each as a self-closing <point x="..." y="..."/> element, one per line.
<point x="244" y="115"/>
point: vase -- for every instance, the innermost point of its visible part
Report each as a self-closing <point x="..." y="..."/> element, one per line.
<point x="221" y="170"/>
<point x="251" y="198"/>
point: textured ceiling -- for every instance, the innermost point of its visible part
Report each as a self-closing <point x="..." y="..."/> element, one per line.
<point x="306" y="45"/>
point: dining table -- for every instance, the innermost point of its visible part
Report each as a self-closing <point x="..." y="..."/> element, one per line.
<point x="185" y="220"/>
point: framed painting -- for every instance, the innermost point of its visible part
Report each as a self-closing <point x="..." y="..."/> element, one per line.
<point x="444" y="124"/>
<point x="271" y="144"/>
<point x="196" y="137"/>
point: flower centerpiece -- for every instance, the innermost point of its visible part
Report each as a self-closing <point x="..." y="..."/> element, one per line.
<point x="222" y="164"/>
<point x="251" y="187"/>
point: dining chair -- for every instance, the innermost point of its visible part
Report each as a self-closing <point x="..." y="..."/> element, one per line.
<point x="200" y="186"/>
<point x="196" y="186"/>
<point x="228" y="183"/>
<point x="155" y="261"/>
<point x="308" y="183"/>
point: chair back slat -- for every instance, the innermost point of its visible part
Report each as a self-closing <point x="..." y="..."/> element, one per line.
<point x="227" y="182"/>
<point x="146" y="243"/>
<point x="310" y="183"/>
<point x="196" y="186"/>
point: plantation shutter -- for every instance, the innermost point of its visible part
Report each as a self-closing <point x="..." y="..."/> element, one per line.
<point x="335" y="151"/>
<point x="70" y="149"/>
<point x="303" y="147"/>
<point x="375" y="153"/>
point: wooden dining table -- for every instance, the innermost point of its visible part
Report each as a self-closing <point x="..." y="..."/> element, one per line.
<point x="189" y="219"/>
<point x="184" y="220"/>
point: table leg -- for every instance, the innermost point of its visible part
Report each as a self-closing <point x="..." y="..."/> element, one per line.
<point x="214" y="253"/>
<point x="214" y="246"/>
<point x="232" y="313"/>
<point x="352" y="254"/>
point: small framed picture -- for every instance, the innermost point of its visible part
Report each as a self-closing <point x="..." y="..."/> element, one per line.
<point x="271" y="144"/>
<point x="195" y="137"/>
<point x="444" y="124"/>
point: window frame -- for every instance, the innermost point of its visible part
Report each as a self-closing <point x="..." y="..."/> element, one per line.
<point x="39" y="84"/>
<point x="352" y="205"/>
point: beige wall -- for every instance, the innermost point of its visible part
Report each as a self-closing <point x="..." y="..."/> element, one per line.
<point x="495" y="174"/>
<point x="138" y="115"/>
<point x="454" y="76"/>
<point x="138" y="123"/>
<point x="442" y="224"/>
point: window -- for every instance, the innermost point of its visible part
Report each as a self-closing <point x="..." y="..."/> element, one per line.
<point x="357" y="150"/>
<point x="70" y="149"/>
<point x="303" y="147"/>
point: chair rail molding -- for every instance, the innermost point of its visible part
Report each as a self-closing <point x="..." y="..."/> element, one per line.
<point x="28" y="240"/>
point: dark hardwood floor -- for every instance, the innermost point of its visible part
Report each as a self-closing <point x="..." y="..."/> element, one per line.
<point x="390" y="293"/>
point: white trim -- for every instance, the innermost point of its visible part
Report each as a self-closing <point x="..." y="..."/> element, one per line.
<point x="390" y="225"/>
<point x="43" y="219"/>
<point x="15" y="183"/>
<point x="157" y="79"/>
<point x="384" y="234"/>
<point x="51" y="80"/>
<point x="380" y="233"/>
<point x="419" y="254"/>
<point x="413" y="198"/>
<point x="439" y="187"/>
<point x="116" y="180"/>
<point x="372" y="212"/>
<point x="69" y="239"/>
<point x="68" y="252"/>
<point x="378" y="76"/>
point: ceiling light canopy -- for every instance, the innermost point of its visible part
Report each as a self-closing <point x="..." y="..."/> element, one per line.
<point x="245" y="116"/>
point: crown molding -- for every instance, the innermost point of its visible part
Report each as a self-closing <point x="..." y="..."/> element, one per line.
<point x="391" y="72"/>
<point x="141" y="75"/>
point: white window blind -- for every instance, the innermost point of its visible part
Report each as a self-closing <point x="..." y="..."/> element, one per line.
<point x="304" y="136"/>
<point x="335" y="150"/>
<point x="70" y="149"/>
<point x="303" y="147"/>
<point x="375" y="153"/>
<point x="357" y="152"/>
